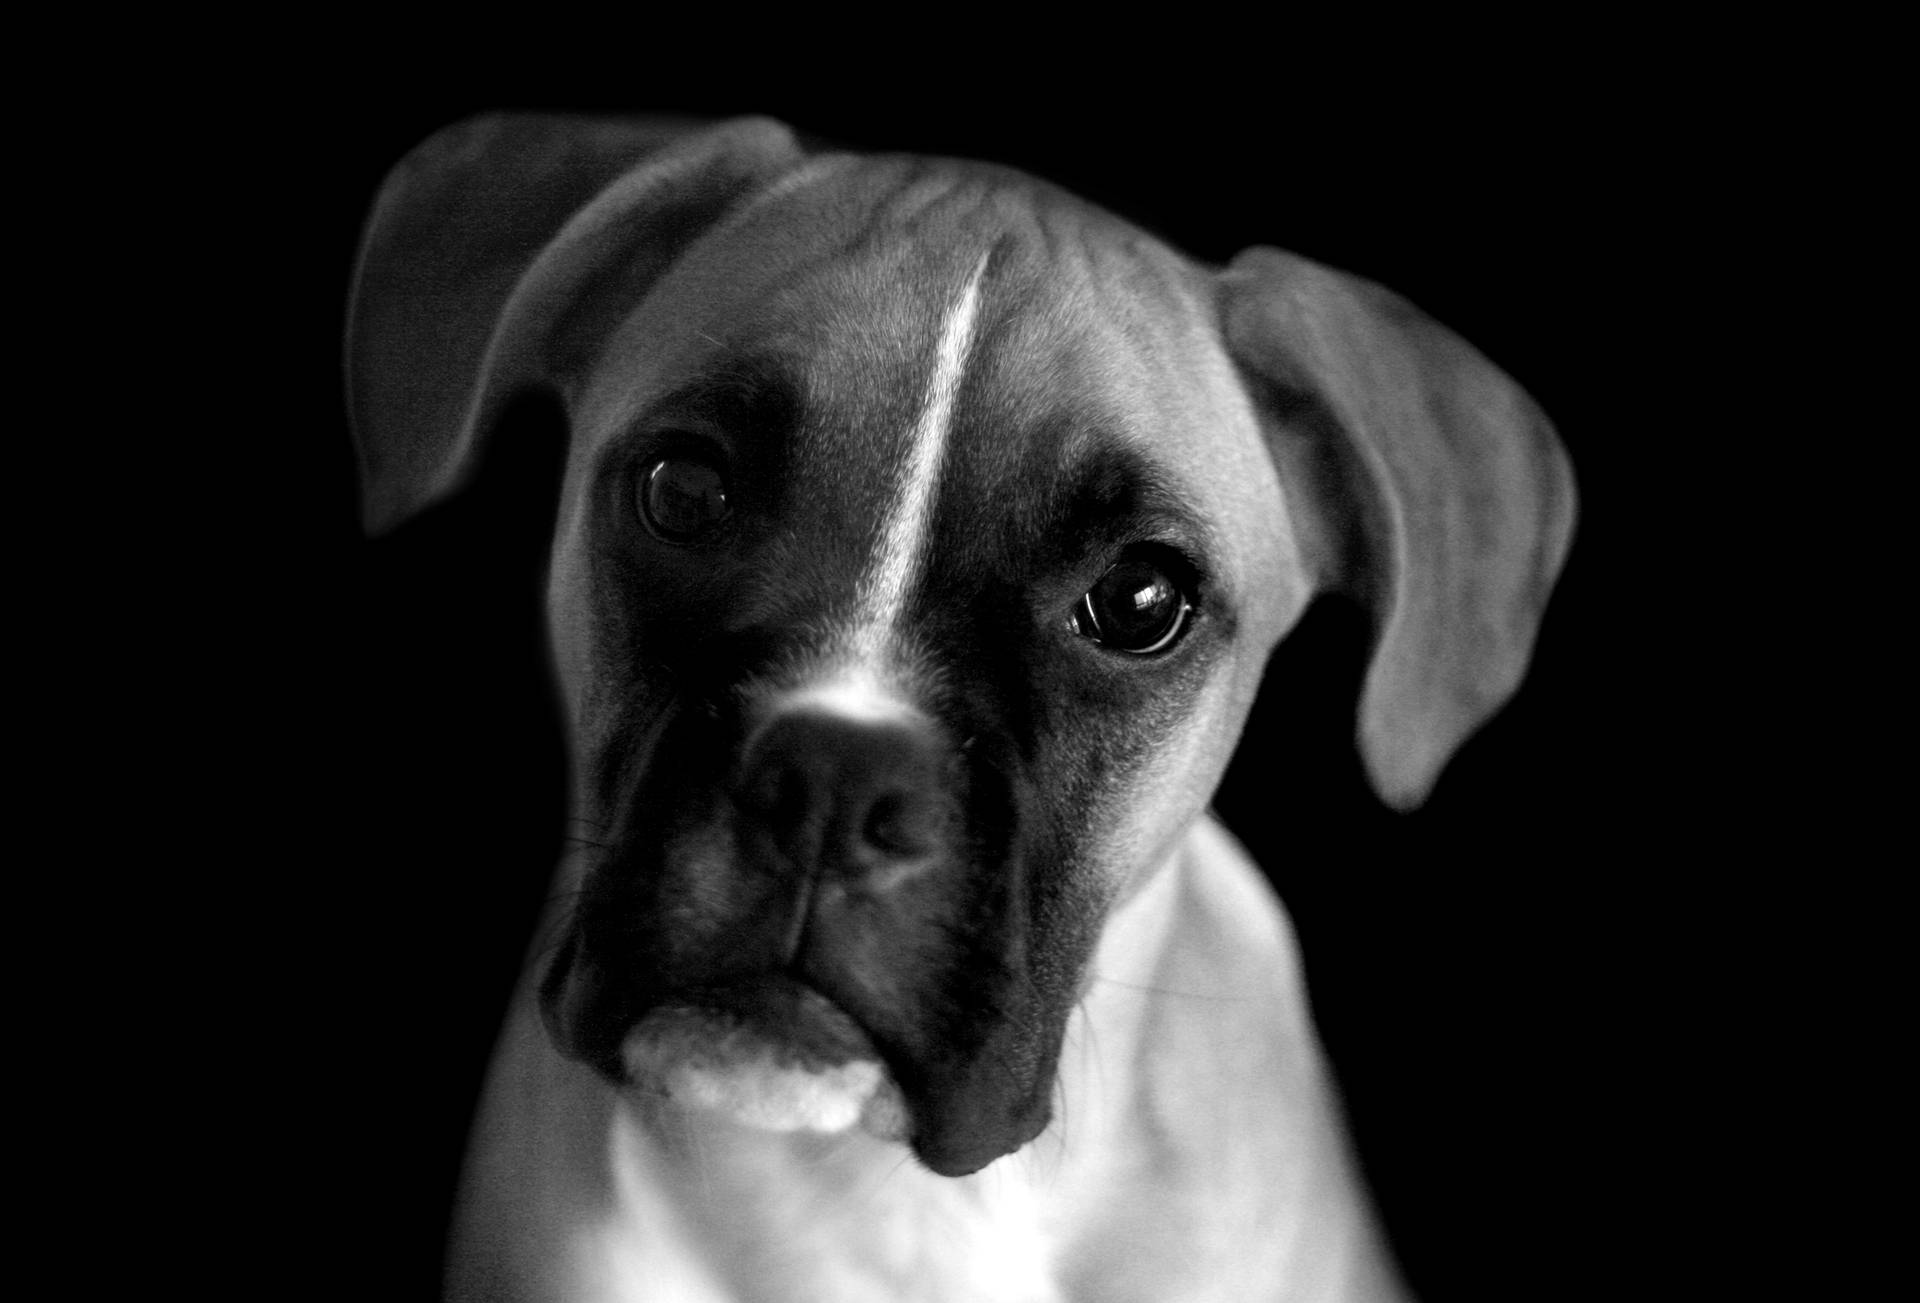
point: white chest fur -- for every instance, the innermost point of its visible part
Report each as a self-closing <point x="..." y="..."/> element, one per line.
<point x="745" y="1216"/>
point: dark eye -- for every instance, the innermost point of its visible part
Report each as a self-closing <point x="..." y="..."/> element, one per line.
<point x="682" y="498"/>
<point x="1134" y="608"/>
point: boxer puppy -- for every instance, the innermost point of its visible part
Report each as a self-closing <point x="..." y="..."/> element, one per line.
<point x="923" y="537"/>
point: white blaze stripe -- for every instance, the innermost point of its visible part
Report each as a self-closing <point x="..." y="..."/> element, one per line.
<point x="884" y="590"/>
<point x="849" y="692"/>
<point x="852" y="695"/>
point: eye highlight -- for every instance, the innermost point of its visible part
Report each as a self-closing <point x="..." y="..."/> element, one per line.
<point x="1135" y="607"/>
<point x="683" y="497"/>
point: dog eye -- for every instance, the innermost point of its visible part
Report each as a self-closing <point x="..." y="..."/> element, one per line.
<point x="682" y="498"/>
<point x="1134" y="608"/>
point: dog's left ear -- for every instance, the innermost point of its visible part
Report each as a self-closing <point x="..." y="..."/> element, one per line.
<point x="1434" y="488"/>
<point x="493" y="253"/>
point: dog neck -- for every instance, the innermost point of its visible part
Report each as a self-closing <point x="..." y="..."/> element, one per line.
<point x="653" y="1201"/>
<point x="852" y="1217"/>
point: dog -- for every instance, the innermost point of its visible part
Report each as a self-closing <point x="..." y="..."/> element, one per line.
<point x="923" y="536"/>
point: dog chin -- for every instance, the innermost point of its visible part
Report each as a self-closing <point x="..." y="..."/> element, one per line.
<point x="714" y="1062"/>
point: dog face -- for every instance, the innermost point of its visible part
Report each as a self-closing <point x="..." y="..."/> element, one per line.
<point x="923" y="537"/>
<point x="899" y="638"/>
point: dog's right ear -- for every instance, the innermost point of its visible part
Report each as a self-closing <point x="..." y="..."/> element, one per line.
<point x="1449" y="492"/>
<point x="487" y="251"/>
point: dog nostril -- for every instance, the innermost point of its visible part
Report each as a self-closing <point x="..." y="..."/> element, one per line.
<point x="788" y="800"/>
<point x="891" y="826"/>
<point x="777" y="793"/>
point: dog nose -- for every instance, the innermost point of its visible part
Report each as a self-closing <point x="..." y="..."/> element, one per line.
<point x="854" y="799"/>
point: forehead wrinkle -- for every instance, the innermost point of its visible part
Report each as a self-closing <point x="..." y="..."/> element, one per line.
<point x="740" y="382"/>
<point x="1108" y="493"/>
<point x="858" y="314"/>
<point x="847" y="353"/>
<point x="1057" y="387"/>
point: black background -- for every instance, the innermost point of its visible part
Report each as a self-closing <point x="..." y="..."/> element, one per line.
<point x="1515" y="983"/>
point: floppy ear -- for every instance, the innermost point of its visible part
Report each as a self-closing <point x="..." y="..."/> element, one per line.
<point x="1434" y="489"/>
<point x="490" y="259"/>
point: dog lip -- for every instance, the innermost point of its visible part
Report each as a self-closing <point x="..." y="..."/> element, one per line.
<point x="796" y="1019"/>
<point x="958" y="1157"/>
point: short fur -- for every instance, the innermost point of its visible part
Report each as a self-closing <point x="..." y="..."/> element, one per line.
<point x="906" y="963"/>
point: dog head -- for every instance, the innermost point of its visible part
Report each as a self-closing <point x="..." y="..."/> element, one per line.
<point x="923" y="538"/>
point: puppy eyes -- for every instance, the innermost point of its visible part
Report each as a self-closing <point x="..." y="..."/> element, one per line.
<point x="683" y="497"/>
<point x="1135" y="608"/>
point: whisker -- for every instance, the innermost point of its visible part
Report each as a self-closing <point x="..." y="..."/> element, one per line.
<point x="906" y="1156"/>
<point x="1150" y="989"/>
